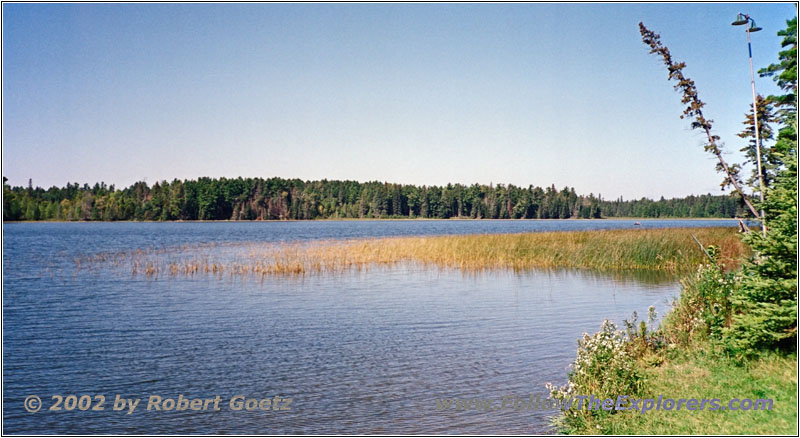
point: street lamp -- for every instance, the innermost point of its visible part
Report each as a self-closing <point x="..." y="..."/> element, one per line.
<point x="744" y="19"/>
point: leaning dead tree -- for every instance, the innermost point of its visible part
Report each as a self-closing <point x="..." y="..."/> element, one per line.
<point x="694" y="109"/>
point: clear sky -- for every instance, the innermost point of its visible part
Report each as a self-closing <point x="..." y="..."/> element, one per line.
<point x="410" y="93"/>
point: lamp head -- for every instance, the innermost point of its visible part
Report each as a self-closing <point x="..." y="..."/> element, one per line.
<point x="740" y="20"/>
<point x="753" y="27"/>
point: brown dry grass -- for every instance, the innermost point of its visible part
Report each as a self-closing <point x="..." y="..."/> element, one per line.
<point x="664" y="250"/>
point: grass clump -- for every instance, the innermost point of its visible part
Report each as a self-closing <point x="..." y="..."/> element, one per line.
<point x="607" y="366"/>
<point x="702" y="374"/>
<point x="666" y="250"/>
<point x="671" y="251"/>
<point x="688" y="356"/>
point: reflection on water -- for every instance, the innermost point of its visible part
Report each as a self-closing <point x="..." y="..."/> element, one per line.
<point x="358" y="352"/>
<point x="655" y="278"/>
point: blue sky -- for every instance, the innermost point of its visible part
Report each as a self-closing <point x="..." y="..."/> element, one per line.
<point x="413" y="93"/>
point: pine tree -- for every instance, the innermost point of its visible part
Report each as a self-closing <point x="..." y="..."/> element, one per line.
<point x="694" y="109"/>
<point x="765" y="305"/>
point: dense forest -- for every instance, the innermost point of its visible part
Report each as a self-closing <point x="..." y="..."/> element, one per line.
<point x="278" y="198"/>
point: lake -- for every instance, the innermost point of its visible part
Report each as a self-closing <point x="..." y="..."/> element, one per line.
<point x="361" y="352"/>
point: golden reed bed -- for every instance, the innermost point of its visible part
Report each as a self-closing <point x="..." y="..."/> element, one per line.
<point x="665" y="250"/>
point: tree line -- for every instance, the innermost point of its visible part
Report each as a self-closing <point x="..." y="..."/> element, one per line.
<point x="285" y="199"/>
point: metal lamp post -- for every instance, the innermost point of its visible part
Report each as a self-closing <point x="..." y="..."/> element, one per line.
<point x="743" y="19"/>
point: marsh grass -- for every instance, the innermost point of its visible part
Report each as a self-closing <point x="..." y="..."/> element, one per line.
<point x="698" y="374"/>
<point x="670" y="251"/>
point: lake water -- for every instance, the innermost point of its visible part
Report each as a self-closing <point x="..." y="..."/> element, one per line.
<point x="357" y="352"/>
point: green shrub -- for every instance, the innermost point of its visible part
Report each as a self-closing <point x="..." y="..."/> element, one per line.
<point x="765" y="304"/>
<point x="704" y="307"/>
<point x="605" y="368"/>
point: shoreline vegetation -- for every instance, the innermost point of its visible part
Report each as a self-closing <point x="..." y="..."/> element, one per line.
<point x="731" y="334"/>
<point x="283" y="199"/>
<point x="671" y="251"/>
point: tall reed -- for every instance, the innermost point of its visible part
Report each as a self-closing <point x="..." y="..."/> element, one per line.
<point x="664" y="250"/>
